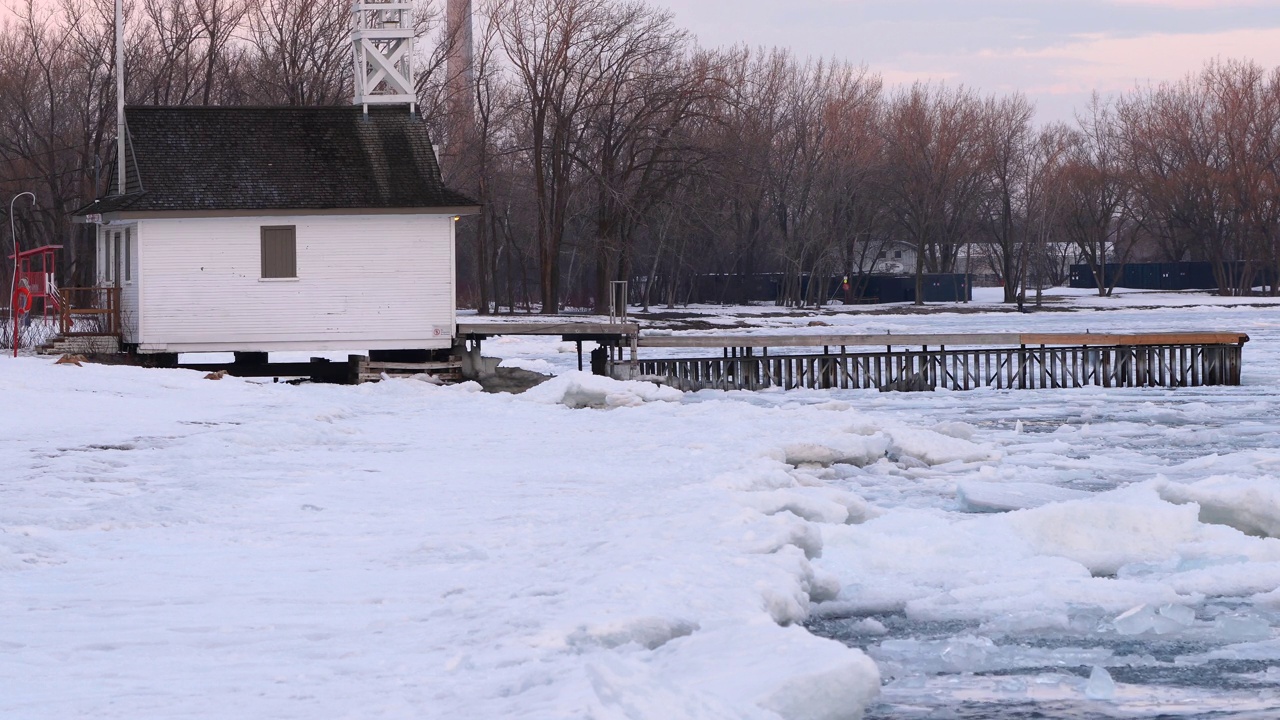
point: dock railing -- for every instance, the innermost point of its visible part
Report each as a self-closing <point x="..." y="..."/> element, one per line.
<point x="85" y="311"/>
<point x="952" y="361"/>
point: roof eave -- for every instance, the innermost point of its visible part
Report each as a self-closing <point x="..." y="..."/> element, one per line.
<point x="277" y="212"/>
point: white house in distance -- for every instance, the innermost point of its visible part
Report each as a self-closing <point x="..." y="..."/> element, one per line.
<point x="284" y="228"/>
<point x="886" y="257"/>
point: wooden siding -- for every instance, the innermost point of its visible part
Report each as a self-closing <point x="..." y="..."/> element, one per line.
<point x="364" y="283"/>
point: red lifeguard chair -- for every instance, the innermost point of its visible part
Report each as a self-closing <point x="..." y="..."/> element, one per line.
<point x="34" y="280"/>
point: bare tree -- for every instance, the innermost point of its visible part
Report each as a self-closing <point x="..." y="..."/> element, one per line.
<point x="933" y="135"/>
<point x="301" y="52"/>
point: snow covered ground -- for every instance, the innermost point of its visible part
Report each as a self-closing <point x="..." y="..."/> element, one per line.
<point x="176" y="547"/>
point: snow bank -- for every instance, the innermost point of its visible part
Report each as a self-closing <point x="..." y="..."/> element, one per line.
<point x="392" y="550"/>
<point x="821" y="505"/>
<point x="580" y="389"/>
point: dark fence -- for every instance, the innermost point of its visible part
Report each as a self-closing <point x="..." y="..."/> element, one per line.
<point x="1167" y="276"/>
<point x="740" y="289"/>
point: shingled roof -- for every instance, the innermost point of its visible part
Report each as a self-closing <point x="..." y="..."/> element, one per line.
<point x="197" y="159"/>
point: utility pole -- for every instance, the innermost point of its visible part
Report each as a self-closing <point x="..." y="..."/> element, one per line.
<point x="17" y="263"/>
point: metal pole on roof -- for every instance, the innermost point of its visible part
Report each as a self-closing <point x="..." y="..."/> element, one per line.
<point x="120" y="127"/>
<point x="13" y="287"/>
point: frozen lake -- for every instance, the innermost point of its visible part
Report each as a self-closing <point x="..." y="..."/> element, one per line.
<point x="174" y="547"/>
<point x="1220" y="661"/>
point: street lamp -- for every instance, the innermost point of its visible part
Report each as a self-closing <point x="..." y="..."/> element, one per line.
<point x="13" y="287"/>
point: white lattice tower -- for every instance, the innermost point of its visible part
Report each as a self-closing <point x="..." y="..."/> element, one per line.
<point x="382" y="37"/>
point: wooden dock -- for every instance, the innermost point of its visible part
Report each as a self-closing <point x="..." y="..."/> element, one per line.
<point x="614" y="338"/>
<point x="951" y="361"/>
<point x="837" y="361"/>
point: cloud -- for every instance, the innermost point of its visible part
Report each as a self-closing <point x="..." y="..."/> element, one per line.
<point x="1061" y="77"/>
<point x="1107" y="63"/>
<point x="1056" y="52"/>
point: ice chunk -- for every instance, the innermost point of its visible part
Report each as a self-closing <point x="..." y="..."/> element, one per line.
<point x="580" y="389"/>
<point x="1135" y="621"/>
<point x="912" y="463"/>
<point x="936" y="448"/>
<point x="961" y="430"/>
<point x="1241" y="628"/>
<point x="801" y="677"/>
<point x="1230" y="579"/>
<point x="648" y="632"/>
<point x="1167" y="619"/>
<point x="1180" y="614"/>
<point x="1109" y="530"/>
<point x="858" y="450"/>
<point x="803" y="505"/>
<point x="787" y="530"/>
<point x="977" y="496"/>
<point x="823" y="588"/>
<point x="867" y="626"/>
<point x="1100" y="685"/>
<point x="1250" y="505"/>
<point x="968" y="652"/>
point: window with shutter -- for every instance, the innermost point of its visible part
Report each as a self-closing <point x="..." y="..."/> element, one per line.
<point x="279" y="252"/>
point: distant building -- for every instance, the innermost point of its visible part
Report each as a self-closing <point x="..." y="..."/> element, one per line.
<point x="886" y="257"/>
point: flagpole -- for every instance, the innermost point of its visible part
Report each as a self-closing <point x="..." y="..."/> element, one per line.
<point x="120" y="127"/>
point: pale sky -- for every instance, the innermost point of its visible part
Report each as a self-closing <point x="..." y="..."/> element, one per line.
<point x="1055" y="51"/>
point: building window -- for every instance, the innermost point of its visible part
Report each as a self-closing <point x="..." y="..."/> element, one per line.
<point x="881" y="256"/>
<point x="279" y="252"/>
<point x="897" y="254"/>
<point x="116" y="256"/>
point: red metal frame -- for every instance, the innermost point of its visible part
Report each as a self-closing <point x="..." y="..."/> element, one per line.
<point x="34" y="270"/>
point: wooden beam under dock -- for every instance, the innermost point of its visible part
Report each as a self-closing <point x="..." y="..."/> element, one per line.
<point x="607" y="332"/>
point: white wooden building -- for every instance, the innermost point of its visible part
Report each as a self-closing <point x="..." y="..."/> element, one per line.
<point x="272" y="229"/>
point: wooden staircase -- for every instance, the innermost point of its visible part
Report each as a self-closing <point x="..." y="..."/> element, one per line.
<point x="88" y="321"/>
<point x="80" y="345"/>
